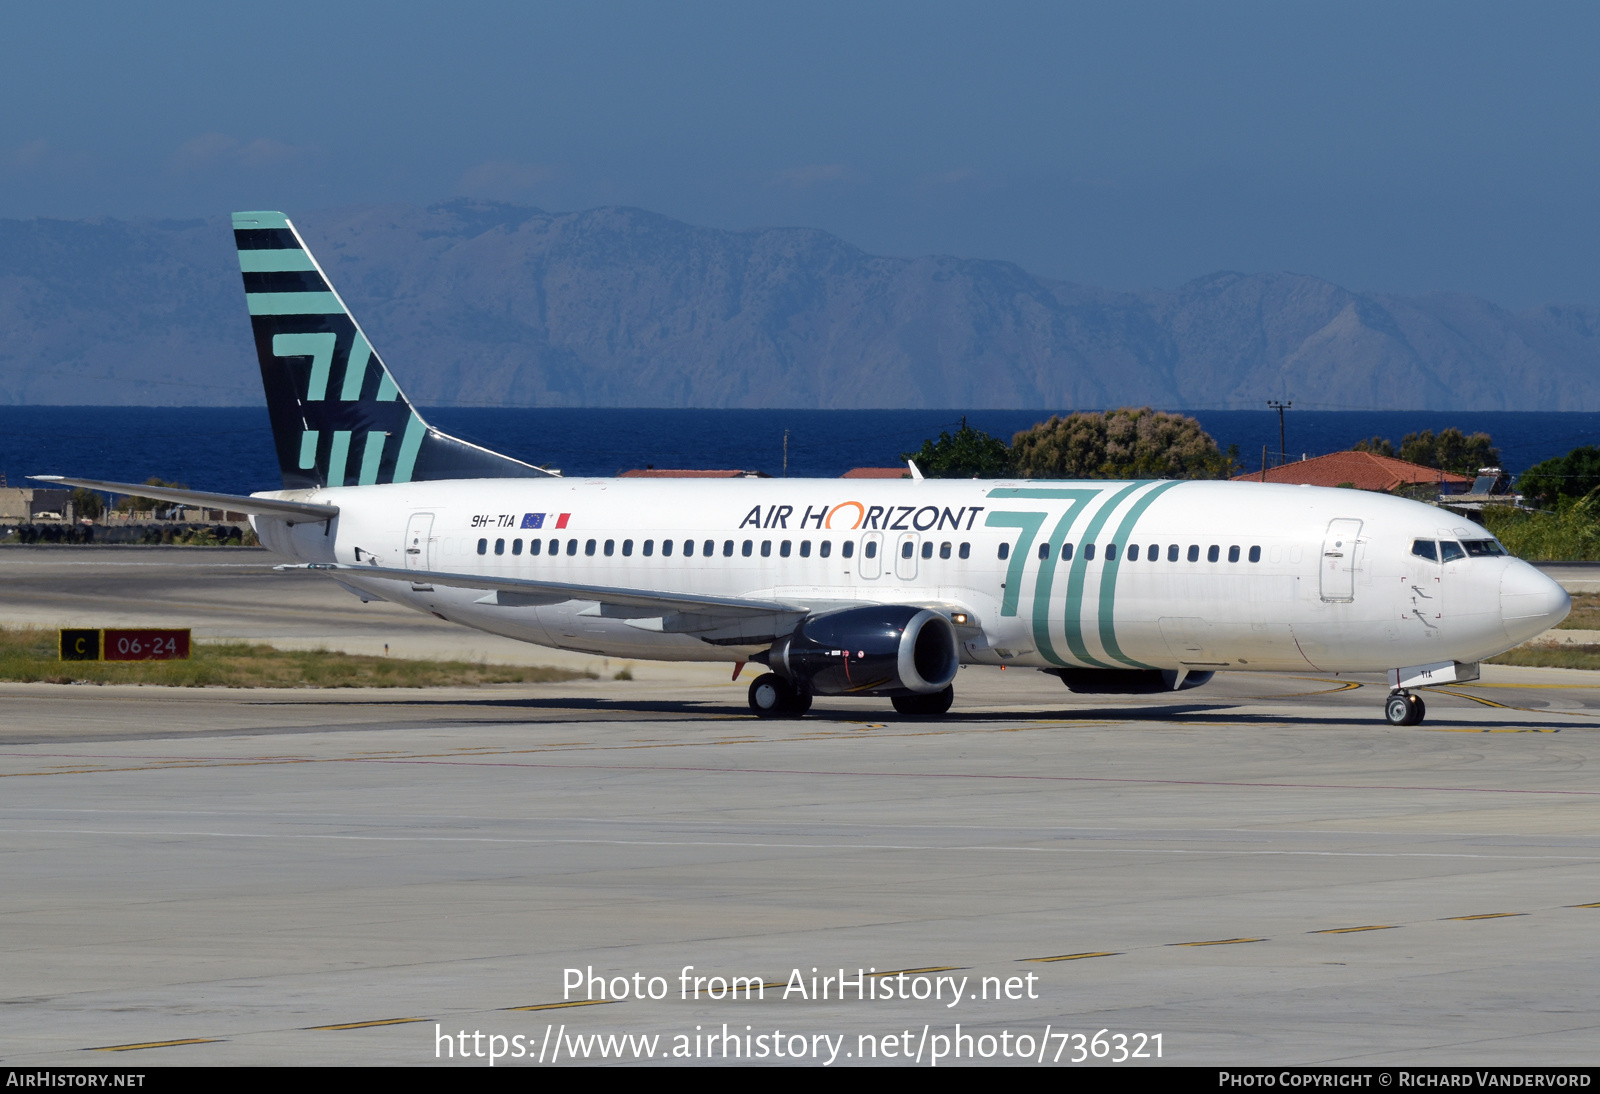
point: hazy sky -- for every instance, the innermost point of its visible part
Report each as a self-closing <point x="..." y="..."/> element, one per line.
<point x="1408" y="147"/>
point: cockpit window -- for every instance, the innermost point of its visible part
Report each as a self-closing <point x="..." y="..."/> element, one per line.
<point x="1450" y="550"/>
<point x="1424" y="548"/>
<point x="1477" y="547"/>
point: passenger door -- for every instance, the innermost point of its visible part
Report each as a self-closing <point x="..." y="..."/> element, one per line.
<point x="419" y="530"/>
<point x="1339" y="560"/>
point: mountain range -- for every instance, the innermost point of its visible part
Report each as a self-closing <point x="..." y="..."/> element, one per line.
<point x="475" y="303"/>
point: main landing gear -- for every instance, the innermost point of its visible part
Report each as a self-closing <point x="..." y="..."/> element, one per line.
<point x="1404" y="708"/>
<point x="771" y="696"/>
<point x="926" y="706"/>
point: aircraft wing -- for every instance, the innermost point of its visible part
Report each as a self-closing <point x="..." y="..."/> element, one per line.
<point x="635" y="603"/>
<point x="239" y="503"/>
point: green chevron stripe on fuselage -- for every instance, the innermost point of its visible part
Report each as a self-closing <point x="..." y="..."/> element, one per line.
<point x="1108" y="577"/>
<point x="1029" y="523"/>
<point x="1078" y="574"/>
<point x="1047" y="572"/>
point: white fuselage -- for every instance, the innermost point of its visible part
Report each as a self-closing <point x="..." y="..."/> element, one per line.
<point x="1181" y="575"/>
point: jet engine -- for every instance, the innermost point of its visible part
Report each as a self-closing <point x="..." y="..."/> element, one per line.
<point x="1130" y="681"/>
<point x="879" y="649"/>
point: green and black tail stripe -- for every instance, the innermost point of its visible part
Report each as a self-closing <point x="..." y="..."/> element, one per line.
<point x="338" y="417"/>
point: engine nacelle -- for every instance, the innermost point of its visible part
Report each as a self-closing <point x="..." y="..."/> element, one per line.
<point x="1130" y="681"/>
<point x="879" y="649"/>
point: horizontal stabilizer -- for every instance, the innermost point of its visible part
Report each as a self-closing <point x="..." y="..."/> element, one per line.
<point x="557" y="591"/>
<point x="270" y="507"/>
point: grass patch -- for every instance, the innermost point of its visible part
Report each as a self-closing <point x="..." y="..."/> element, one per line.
<point x="30" y="655"/>
<point x="1585" y="613"/>
<point x="1551" y="657"/>
<point x="1571" y="534"/>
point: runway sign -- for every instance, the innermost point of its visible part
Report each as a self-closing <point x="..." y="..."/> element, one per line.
<point x="125" y="645"/>
<point x="80" y="645"/>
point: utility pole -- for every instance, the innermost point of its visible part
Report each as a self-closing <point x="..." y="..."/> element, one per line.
<point x="785" y="453"/>
<point x="1283" y="452"/>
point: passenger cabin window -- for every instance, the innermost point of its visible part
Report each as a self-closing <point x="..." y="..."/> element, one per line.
<point x="906" y="549"/>
<point x="944" y="550"/>
<point x="534" y="546"/>
<point x="572" y="546"/>
<point x="727" y="548"/>
<point x="611" y="547"/>
<point x="1172" y="553"/>
<point x="847" y="549"/>
<point x="708" y="548"/>
<point x="1111" y="552"/>
<point x="1450" y="550"/>
<point x="499" y="546"/>
<point x="766" y="548"/>
<point x="649" y="547"/>
<point x="516" y="546"/>
<point x="555" y="547"/>
<point x="483" y="546"/>
<point x="746" y="548"/>
<point x="870" y="550"/>
<point x="825" y="548"/>
<point x="666" y="548"/>
<point x="966" y="550"/>
<point x="1088" y="551"/>
<point x="1194" y="552"/>
<point x="588" y="548"/>
<point x="1133" y="552"/>
<point x="1005" y="551"/>
<point x="1233" y="554"/>
<point x="1479" y="547"/>
<point x="783" y="549"/>
<point x="1154" y="552"/>
<point x="627" y="548"/>
<point x="688" y="548"/>
<point x="1044" y="550"/>
<point x="927" y="550"/>
<point x="805" y="548"/>
<point x="1255" y="554"/>
<point x="1212" y="553"/>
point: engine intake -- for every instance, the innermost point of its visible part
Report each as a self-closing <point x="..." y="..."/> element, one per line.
<point x="879" y="649"/>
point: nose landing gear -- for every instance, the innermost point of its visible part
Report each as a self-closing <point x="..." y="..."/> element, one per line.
<point x="1404" y="708"/>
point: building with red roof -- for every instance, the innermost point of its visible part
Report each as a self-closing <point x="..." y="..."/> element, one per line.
<point x="1362" y="470"/>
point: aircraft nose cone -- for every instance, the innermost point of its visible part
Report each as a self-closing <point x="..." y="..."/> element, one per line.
<point x="1530" y="602"/>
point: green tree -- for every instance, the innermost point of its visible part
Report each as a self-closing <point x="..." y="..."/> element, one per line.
<point x="1378" y="446"/>
<point x="137" y="504"/>
<point x="1571" y="476"/>
<point x="1130" y="443"/>
<point x="970" y="454"/>
<point x="1450" y="450"/>
<point x="86" y="503"/>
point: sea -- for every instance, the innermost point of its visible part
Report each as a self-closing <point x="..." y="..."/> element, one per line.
<point x="229" y="449"/>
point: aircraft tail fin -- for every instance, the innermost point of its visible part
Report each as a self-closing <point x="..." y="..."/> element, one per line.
<point x="338" y="417"/>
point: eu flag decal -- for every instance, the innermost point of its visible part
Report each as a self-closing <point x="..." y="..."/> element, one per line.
<point x="533" y="520"/>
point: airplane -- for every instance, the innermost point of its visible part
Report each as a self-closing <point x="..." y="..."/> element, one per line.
<point x="879" y="588"/>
